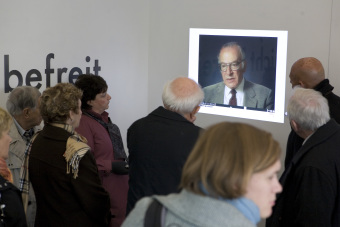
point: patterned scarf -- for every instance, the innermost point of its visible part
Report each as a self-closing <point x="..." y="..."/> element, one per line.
<point x="76" y="148"/>
<point x="4" y="171"/>
<point x="114" y="133"/>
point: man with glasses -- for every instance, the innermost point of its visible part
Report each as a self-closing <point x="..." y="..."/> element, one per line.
<point x="235" y="90"/>
<point x="23" y="105"/>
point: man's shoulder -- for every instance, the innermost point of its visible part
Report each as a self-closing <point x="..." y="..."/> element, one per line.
<point x="258" y="87"/>
<point x="323" y="145"/>
<point x="162" y="119"/>
<point x="213" y="87"/>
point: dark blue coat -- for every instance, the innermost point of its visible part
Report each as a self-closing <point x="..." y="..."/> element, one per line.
<point x="159" y="145"/>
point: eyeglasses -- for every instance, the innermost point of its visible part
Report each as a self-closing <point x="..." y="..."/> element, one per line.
<point x="233" y="66"/>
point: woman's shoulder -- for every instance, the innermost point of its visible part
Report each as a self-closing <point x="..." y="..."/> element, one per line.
<point x="5" y="185"/>
<point x="137" y="215"/>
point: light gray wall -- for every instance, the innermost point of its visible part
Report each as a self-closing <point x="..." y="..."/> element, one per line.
<point x="309" y="24"/>
<point x="313" y="30"/>
<point x="114" y="32"/>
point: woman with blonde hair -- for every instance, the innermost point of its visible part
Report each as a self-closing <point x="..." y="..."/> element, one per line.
<point x="11" y="208"/>
<point x="61" y="168"/>
<point x="229" y="179"/>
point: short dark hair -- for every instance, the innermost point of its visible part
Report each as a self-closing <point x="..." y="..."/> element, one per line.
<point x="91" y="85"/>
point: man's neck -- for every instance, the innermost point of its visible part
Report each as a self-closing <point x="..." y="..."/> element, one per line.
<point x="23" y="124"/>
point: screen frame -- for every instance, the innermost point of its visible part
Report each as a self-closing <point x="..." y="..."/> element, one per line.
<point x="276" y="115"/>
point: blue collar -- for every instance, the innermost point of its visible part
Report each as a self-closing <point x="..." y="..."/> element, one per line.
<point x="246" y="206"/>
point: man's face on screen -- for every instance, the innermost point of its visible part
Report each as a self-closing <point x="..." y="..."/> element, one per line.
<point x="232" y="66"/>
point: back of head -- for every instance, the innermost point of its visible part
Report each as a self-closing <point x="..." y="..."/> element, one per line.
<point x="309" y="71"/>
<point x="5" y="121"/>
<point x="21" y="98"/>
<point x="91" y="85"/>
<point x="182" y="95"/>
<point x="57" y="102"/>
<point x="225" y="157"/>
<point x="308" y="108"/>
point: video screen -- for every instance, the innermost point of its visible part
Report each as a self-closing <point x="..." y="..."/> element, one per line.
<point x="242" y="72"/>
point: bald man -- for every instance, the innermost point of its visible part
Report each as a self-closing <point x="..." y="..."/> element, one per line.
<point x="160" y="143"/>
<point x="309" y="73"/>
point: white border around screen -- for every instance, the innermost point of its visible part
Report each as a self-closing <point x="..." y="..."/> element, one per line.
<point x="280" y="83"/>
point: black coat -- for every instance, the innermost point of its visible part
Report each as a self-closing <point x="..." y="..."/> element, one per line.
<point x="61" y="199"/>
<point x="11" y="205"/>
<point x="294" y="141"/>
<point x="311" y="184"/>
<point x="159" y="145"/>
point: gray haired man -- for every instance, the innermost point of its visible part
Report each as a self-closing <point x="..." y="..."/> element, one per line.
<point x="23" y="105"/>
<point x="310" y="195"/>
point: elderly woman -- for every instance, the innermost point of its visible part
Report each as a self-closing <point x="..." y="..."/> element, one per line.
<point x="11" y="208"/>
<point x="229" y="179"/>
<point x="105" y="141"/>
<point x="63" y="172"/>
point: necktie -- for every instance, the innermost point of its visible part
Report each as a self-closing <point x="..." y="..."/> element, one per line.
<point x="28" y="134"/>
<point x="232" y="100"/>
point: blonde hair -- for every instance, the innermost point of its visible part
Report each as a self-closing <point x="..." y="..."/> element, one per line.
<point x="57" y="102"/>
<point x="225" y="157"/>
<point x="5" y="121"/>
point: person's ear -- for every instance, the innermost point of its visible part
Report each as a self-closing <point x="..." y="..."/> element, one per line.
<point x="193" y="113"/>
<point x="294" y="125"/>
<point x="243" y="65"/>
<point x="302" y="84"/>
<point x="26" y="112"/>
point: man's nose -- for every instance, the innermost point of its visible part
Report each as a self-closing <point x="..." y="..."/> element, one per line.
<point x="229" y="71"/>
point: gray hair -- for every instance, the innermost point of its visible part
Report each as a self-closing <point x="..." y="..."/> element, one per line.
<point x="233" y="44"/>
<point x="21" y="98"/>
<point x="308" y="108"/>
<point x="191" y="95"/>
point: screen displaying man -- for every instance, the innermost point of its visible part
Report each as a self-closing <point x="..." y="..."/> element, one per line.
<point x="235" y="90"/>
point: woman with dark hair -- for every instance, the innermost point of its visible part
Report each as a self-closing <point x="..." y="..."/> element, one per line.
<point x="105" y="141"/>
<point x="229" y="179"/>
<point x="63" y="172"/>
<point x="11" y="209"/>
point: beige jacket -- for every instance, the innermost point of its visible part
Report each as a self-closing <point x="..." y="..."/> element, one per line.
<point x="14" y="162"/>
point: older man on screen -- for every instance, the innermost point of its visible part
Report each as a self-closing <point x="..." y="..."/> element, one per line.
<point x="235" y="90"/>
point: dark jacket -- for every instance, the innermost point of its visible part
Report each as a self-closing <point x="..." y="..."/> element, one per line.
<point x="294" y="141"/>
<point x="311" y="184"/>
<point x="61" y="199"/>
<point x="11" y="205"/>
<point x="159" y="145"/>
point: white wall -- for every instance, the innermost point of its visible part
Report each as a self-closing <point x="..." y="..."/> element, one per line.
<point x="113" y="32"/>
<point x="312" y="25"/>
<point x="308" y="24"/>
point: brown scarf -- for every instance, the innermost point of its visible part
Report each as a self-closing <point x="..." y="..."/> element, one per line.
<point x="4" y="171"/>
<point x="76" y="148"/>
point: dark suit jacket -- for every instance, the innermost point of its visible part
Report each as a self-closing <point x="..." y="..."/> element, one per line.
<point x="61" y="199"/>
<point x="311" y="191"/>
<point x="159" y="145"/>
<point x="255" y="95"/>
<point x="294" y="141"/>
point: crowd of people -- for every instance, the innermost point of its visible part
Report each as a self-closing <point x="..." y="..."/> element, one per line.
<point x="74" y="171"/>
